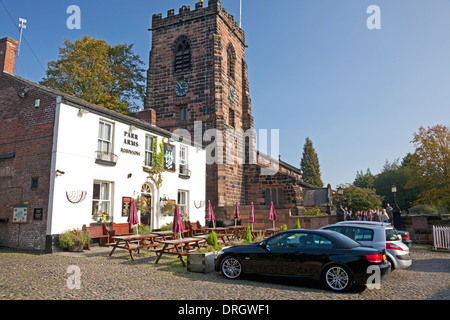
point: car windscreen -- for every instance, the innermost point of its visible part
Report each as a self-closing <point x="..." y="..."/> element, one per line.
<point x="344" y="242"/>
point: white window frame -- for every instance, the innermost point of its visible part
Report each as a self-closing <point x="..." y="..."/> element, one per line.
<point x="149" y="151"/>
<point x="104" y="201"/>
<point x="105" y="142"/>
<point x="184" y="160"/>
<point x="183" y="205"/>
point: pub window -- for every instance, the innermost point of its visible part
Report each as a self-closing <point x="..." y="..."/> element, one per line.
<point x="183" y="201"/>
<point x="104" y="137"/>
<point x="149" y="142"/>
<point x="183" y="57"/>
<point x="101" y="199"/>
<point x="274" y="195"/>
<point x="184" y="163"/>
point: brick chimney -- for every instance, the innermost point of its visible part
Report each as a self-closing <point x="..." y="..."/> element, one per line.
<point x="8" y="49"/>
<point x="148" y="115"/>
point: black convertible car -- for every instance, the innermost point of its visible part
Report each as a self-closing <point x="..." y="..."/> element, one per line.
<point x="338" y="261"/>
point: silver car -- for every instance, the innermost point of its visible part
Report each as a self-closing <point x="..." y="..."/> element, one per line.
<point x="377" y="235"/>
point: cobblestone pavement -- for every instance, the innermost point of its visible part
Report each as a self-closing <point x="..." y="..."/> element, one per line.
<point x="27" y="276"/>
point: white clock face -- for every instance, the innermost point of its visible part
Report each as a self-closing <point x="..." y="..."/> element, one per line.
<point x="181" y="88"/>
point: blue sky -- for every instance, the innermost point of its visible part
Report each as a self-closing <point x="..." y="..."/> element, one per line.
<point x="315" y="69"/>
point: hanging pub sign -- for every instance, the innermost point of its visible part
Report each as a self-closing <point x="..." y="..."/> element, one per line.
<point x="169" y="157"/>
<point x="126" y="206"/>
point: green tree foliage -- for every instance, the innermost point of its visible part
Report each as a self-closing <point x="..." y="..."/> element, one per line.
<point x="356" y="198"/>
<point x="364" y="180"/>
<point x="309" y="165"/>
<point x="405" y="177"/>
<point x="432" y="148"/>
<point x="103" y="74"/>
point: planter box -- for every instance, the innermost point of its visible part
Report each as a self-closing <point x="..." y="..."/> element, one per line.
<point x="200" y="262"/>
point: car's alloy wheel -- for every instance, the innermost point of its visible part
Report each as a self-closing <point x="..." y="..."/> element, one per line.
<point x="231" y="267"/>
<point x="337" y="278"/>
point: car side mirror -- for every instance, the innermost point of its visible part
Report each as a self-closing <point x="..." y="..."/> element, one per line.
<point x="264" y="245"/>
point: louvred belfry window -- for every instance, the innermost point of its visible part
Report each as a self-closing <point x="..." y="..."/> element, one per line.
<point x="183" y="57"/>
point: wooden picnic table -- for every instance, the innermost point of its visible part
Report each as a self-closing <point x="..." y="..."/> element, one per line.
<point x="180" y="247"/>
<point x="222" y="234"/>
<point x="134" y="242"/>
<point x="272" y="231"/>
<point x="237" y="230"/>
<point x="166" y="235"/>
<point x="217" y="229"/>
<point x="265" y="232"/>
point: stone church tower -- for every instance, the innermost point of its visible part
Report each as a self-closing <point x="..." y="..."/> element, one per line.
<point x="197" y="72"/>
<point x="197" y="80"/>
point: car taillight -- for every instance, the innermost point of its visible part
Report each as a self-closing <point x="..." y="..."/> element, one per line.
<point x="405" y="237"/>
<point x="393" y="246"/>
<point x="375" y="258"/>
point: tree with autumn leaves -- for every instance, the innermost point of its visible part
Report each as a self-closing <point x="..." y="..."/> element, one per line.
<point x="421" y="178"/>
<point x="432" y="151"/>
<point x="95" y="71"/>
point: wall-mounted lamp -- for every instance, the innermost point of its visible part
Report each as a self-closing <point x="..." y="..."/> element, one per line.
<point x="81" y="112"/>
<point x="163" y="201"/>
<point x="129" y="175"/>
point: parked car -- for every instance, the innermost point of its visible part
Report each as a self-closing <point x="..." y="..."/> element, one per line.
<point x="405" y="238"/>
<point x="377" y="235"/>
<point x="338" y="261"/>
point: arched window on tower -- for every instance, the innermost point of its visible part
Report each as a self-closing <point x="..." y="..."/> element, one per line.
<point x="183" y="56"/>
<point x="231" y="61"/>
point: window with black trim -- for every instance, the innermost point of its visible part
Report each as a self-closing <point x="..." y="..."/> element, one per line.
<point x="183" y="57"/>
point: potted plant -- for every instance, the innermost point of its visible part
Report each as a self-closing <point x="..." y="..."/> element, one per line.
<point x="74" y="240"/>
<point x="203" y="261"/>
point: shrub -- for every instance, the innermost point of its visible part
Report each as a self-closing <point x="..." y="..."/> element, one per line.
<point x="142" y="229"/>
<point x="297" y="225"/>
<point x="283" y="227"/>
<point x="212" y="240"/>
<point x="427" y="209"/>
<point x="248" y="235"/>
<point x="313" y="212"/>
<point x="73" y="237"/>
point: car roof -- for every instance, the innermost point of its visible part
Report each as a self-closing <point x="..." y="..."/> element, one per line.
<point x="377" y="225"/>
<point x="371" y="223"/>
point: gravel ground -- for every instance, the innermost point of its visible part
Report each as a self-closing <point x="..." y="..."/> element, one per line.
<point x="28" y="276"/>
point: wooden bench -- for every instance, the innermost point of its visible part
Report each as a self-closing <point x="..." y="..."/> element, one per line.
<point x="122" y="229"/>
<point x="96" y="232"/>
<point x="197" y="228"/>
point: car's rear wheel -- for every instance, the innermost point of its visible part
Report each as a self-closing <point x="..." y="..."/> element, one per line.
<point x="231" y="267"/>
<point x="337" y="278"/>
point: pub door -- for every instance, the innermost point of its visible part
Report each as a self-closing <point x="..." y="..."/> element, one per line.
<point x="146" y="212"/>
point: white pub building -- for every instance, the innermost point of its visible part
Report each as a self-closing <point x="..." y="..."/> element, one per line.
<point x="65" y="163"/>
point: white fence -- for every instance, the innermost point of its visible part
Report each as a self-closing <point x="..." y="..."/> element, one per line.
<point x="441" y="236"/>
